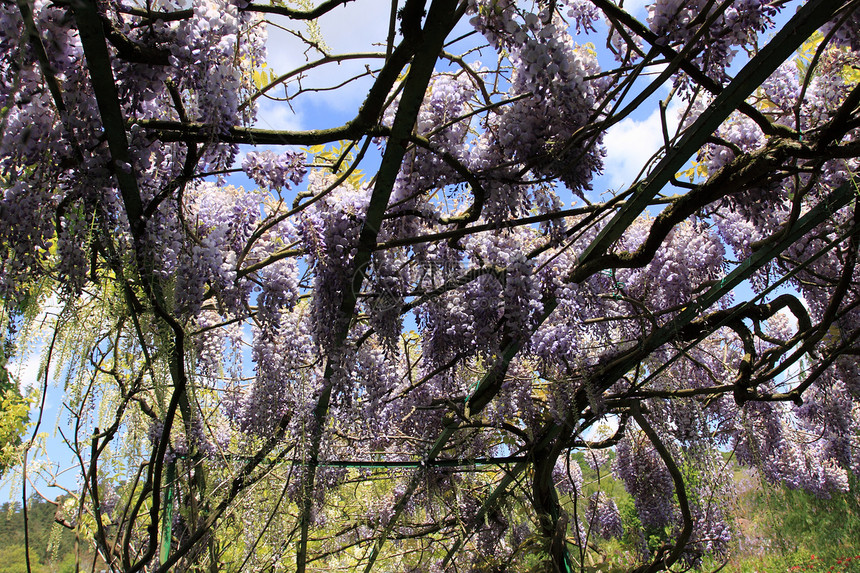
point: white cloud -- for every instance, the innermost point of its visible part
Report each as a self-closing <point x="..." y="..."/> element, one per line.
<point x="631" y="143"/>
<point x="357" y="26"/>
<point x="278" y="115"/>
<point x="270" y="115"/>
<point x="26" y="371"/>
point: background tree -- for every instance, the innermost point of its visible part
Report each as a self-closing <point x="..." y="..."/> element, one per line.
<point x="341" y="370"/>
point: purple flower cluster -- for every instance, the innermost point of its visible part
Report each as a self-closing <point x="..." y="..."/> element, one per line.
<point x="550" y="70"/>
<point x="567" y="477"/>
<point x="225" y="218"/>
<point x="329" y="231"/>
<point x="691" y="255"/>
<point x="443" y="120"/>
<point x="275" y="172"/>
<point x="848" y="32"/>
<point x="604" y="517"/>
<point x="207" y="49"/>
<point x="768" y="439"/>
<point x="647" y="479"/>
<point x="677" y="23"/>
<point x="284" y="382"/>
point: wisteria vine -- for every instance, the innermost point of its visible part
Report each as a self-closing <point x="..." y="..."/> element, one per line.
<point x="403" y="341"/>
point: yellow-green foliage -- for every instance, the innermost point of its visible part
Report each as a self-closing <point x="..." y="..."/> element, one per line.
<point x="14" y="421"/>
<point x="338" y="156"/>
<point x="263" y="77"/>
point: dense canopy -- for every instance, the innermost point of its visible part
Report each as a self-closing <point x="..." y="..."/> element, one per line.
<point x="389" y="351"/>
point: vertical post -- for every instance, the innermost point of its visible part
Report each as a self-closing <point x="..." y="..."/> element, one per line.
<point x="167" y="514"/>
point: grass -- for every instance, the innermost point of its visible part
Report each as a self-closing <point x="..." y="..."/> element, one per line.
<point x="780" y="531"/>
<point x="785" y="531"/>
